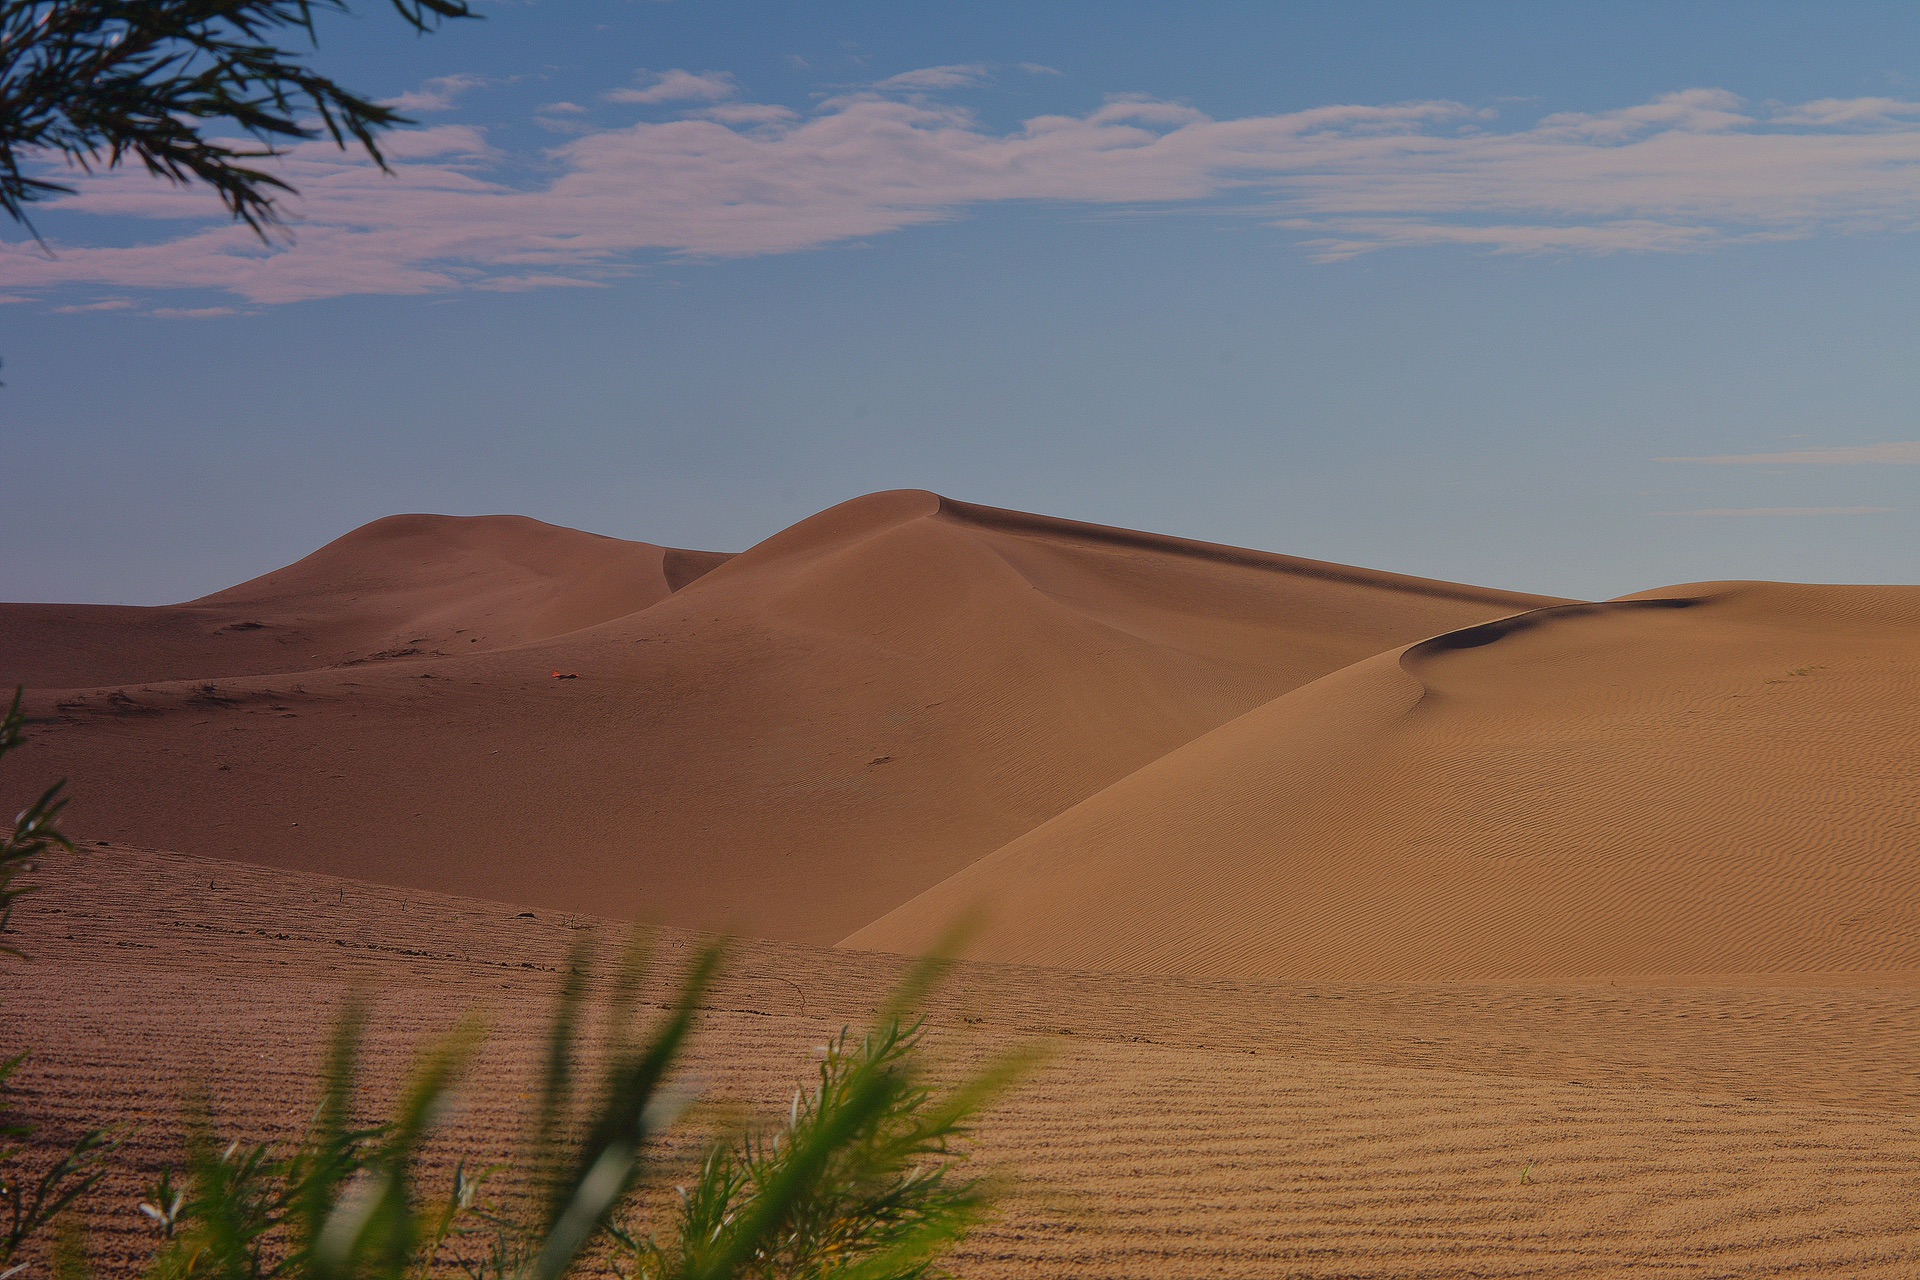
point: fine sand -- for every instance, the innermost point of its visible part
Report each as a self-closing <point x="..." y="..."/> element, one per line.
<point x="1716" y="779"/>
<point x="789" y="746"/>
<point x="1178" y="1127"/>
<point x="1376" y="926"/>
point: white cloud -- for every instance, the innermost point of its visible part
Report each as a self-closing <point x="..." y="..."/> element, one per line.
<point x="1692" y="111"/>
<point x="1688" y="172"/>
<point x="1830" y="113"/>
<point x="1782" y="511"/>
<point x="678" y="86"/>
<point x="109" y="304"/>
<point x="749" y="113"/>
<point x="1040" y="69"/>
<point x="562" y="117"/>
<point x="437" y="94"/>
<point x="1896" y="453"/>
<point x="192" y="313"/>
<point x="957" y="76"/>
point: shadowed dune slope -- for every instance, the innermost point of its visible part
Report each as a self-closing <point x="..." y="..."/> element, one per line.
<point x="802" y="739"/>
<point x="1709" y="779"/>
<point x="412" y="582"/>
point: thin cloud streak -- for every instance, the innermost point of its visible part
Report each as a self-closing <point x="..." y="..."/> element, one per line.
<point x="1894" y="454"/>
<point x="438" y="94"/>
<point x="957" y="76"/>
<point x="678" y="86"/>
<point x="1688" y="172"/>
<point x="1782" y="511"/>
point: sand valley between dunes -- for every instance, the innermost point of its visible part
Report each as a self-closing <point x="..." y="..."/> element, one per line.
<point x="1377" y="926"/>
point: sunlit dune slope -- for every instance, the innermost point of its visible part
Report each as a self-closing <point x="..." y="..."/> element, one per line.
<point x="417" y="583"/>
<point x="795" y="743"/>
<point x="1708" y="779"/>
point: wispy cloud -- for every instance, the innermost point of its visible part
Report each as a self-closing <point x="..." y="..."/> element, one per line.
<point x="957" y="76"/>
<point x="1896" y="453"/>
<point x="1782" y="511"/>
<point x="438" y="94"/>
<point x="678" y="86"/>
<point x="106" y="304"/>
<point x="749" y="113"/>
<point x="1830" y="112"/>
<point x="1687" y="172"/>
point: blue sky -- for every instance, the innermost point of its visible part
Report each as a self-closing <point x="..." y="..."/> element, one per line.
<point x="1576" y="299"/>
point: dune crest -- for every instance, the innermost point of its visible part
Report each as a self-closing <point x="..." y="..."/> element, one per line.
<point x="793" y="744"/>
<point x="1707" y="779"/>
<point x="400" y="586"/>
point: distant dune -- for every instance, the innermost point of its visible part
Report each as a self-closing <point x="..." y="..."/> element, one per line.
<point x="1722" y="778"/>
<point x="1135" y="752"/>
<point x="405" y="583"/>
<point x="1374" y="926"/>
<point x="792" y="743"/>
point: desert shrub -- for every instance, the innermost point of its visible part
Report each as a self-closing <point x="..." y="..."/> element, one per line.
<point x="862" y="1182"/>
<point x="864" y="1179"/>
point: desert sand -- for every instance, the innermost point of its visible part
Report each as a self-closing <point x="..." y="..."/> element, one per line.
<point x="1715" y="779"/>
<point x="788" y="746"/>
<point x="1378" y="926"/>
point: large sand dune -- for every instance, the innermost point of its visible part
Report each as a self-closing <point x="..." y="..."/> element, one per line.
<point x="1389" y="927"/>
<point x="791" y="745"/>
<point x="1703" y="780"/>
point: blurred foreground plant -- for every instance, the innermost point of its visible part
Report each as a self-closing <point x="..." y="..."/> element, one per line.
<point x="33" y="1201"/>
<point x="861" y="1183"/>
<point x="35" y="831"/>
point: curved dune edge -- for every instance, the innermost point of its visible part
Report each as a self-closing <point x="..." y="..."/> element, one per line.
<point x="1020" y="522"/>
<point x="804" y="737"/>
<point x="401" y="586"/>
<point x="1708" y="779"/>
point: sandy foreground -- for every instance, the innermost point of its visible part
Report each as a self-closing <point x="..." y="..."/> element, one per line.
<point x="1180" y="1128"/>
<point x="1375" y="926"/>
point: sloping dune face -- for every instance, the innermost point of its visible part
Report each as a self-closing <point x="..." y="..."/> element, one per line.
<point x="1704" y="780"/>
<point x="405" y="584"/>
<point x="791" y="745"/>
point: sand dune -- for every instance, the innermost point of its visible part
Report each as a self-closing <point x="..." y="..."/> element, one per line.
<point x="791" y="745"/>
<point x="403" y="585"/>
<point x="1390" y="927"/>
<point x="1702" y="780"/>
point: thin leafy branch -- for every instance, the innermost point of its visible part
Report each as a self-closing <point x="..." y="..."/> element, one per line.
<point x="32" y="1203"/>
<point x="99" y="82"/>
<point x="865" y="1180"/>
<point x="35" y="832"/>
